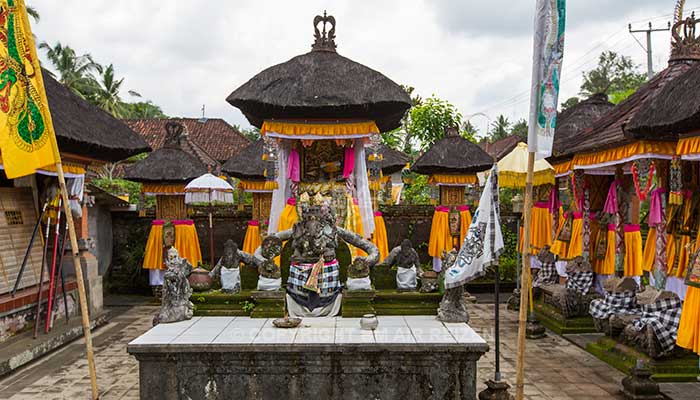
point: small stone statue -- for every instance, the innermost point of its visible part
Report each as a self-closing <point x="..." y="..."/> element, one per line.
<point x="270" y="248"/>
<point x="453" y="307"/>
<point x="655" y="331"/>
<point x="228" y="267"/>
<point x="175" y="305"/>
<point x="408" y="265"/>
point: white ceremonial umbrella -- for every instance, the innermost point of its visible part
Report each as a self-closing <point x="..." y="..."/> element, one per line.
<point x="209" y="188"/>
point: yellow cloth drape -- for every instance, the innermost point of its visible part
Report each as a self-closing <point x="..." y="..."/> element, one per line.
<point x="517" y="180"/>
<point x="378" y="184"/>
<point x="68" y="168"/>
<point x="288" y="218"/>
<point x="574" y="248"/>
<point x="252" y="238"/>
<point x="379" y="237"/>
<point x="633" y="253"/>
<point x="187" y="242"/>
<point x="607" y="266"/>
<point x="353" y="222"/>
<point x="445" y="179"/>
<point x="540" y="228"/>
<point x="562" y="168"/>
<point x="649" y="251"/>
<point x="689" y="327"/>
<point x="675" y="247"/>
<point x="440" y="236"/>
<point x="624" y="153"/>
<point x="153" y="256"/>
<point x="689" y="146"/>
<point x="154" y="188"/>
<point x="320" y="128"/>
<point x="258" y="186"/>
<point x="465" y="219"/>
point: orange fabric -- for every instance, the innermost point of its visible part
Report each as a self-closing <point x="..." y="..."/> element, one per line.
<point x="153" y="256"/>
<point x="673" y="250"/>
<point x="649" y="251"/>
<point x="622" y="153"/>
<point x="187" y="243"/>
<point x="689" y="327"/>
<point x="258" y="185"/>
<point x="440" y="236"/>
<point x="688" y="146"/>
<point x="162" y="188"/>
<point x="562" y="168"/>
<point x="540" y="228"/>
<point x="252" y="239"/>
<point x="446" y="179"/>
<point x="633" y="254"/>
<point x="607" y="266"/>
<point x="379" y="237"/>
<point x="573" y="249"/>
<point x="321" y="128"/>
<point x="465" y="220"/>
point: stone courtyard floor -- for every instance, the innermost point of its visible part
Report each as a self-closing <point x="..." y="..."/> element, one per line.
<point x="556" y="369"/>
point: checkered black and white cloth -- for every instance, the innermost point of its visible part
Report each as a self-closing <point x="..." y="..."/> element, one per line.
<point x="614" y="303"/>
<point x="580" y="282"/>
<point x="547" y="275"/>
<point x="664" y="316"/>
<point x="328" y="279"/>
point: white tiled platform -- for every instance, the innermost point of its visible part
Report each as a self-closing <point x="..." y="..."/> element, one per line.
<point x="245" y="331"/>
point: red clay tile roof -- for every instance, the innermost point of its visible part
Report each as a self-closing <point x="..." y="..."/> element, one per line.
<point x="214" y="136"/>
<point x="500" y="148"/>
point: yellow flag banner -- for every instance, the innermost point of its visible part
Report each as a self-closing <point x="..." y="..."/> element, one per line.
<point x="27" y="139"/>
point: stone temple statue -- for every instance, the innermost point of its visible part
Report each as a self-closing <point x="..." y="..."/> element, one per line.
<point x="408" y="265"/>
<point x="228" y="267"/>
<point x="453" y="306"/>
<point x="175" y="304"/>
<point x="313" y="286"/>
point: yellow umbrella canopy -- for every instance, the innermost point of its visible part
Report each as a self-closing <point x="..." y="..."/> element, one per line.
<point x="512" y="169"/>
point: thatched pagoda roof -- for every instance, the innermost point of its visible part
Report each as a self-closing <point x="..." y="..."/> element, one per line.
<point x="609" y="130"/>
<point x="453" y="155"/>
<point x="86" y="130"/>
<point x="172" y="163"/>
<point x="501" y="148"/>
<point x="393" y="161"/>
<point x="322" y="84"/>
<point x="674" y="111"/>
<point x="248" y="163"/>
<point x="575" y="120"/>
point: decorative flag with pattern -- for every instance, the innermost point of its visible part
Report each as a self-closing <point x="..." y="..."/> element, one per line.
<point x="27" y="139"/>
<point x="548" y="54"/>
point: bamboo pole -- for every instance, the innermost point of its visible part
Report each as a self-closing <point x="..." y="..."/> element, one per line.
<point x="79" y="279"/>
<point x="525" y="278"/>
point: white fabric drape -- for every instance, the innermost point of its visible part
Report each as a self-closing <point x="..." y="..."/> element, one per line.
<point x="283" y="191"/>
<point x="364" y="199"/>
<point x="76" y="188"/>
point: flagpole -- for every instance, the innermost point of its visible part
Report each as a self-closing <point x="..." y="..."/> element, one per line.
<point x="79" y="279"/>
<point x="525" y="281"/>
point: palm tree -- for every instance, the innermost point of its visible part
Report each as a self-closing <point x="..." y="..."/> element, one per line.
<point x="499" y="128"/>
<point x="106" y="96"/>
<point x="74" y="71"/>
<point x="32" y="12"/>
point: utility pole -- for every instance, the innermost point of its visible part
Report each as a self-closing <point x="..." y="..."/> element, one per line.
<point x="648" y="31"/>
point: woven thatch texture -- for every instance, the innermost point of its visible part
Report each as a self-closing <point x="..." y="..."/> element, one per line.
<point x="248" y="163"/>
<point x="84" y="129"/>
<point x="575" y="120"/>
<point x="392" y="160"/>
<point x="322" y="85"/>
<point x="453" y="155"/>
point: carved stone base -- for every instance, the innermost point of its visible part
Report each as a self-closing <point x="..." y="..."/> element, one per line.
<point x="268" y="304"/>
<point x="639" y="386"/>
<point x="514" y="301"/>
<point x="495" y="390"/>
<point x="453" y="307"/>
<point x="534" y="329"/>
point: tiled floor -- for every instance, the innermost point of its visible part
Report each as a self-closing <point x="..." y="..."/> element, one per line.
<point x="555" y="368"/>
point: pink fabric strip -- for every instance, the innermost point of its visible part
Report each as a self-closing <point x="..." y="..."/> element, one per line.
<point x="349" y="162"/>
<point x="378" y="214"/>
<point x="291" y="201"/>
<point x="631" y="228"/>
<point x="463" y="208"/>
<point x="253" y="222"/>
<point x="157" y="222"/>
<point x="611" y="201"/>
<point x="553" y="202"/>
<point x="611" y="227"/>
<point x="293" y="166"/>
<point x="542" y="204"/>
<point x="655" y="209"/>
<point x="442" y="209"/>
<point x="183" y="222"/>
<point x="578" y="215"/>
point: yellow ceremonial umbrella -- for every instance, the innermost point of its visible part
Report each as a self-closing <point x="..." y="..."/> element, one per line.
<point x="512" y="169"/>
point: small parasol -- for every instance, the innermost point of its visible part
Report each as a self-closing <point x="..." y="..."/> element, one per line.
<point x="512" y="169"/>
<point x="208" y="189"/>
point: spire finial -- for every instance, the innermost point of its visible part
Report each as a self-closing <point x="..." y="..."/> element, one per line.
<point x="325" y="40"/>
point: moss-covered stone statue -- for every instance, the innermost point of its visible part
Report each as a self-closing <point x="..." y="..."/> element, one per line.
<point x="175" y="304"/>
<point x="453" y="306"/>
<point x="407" y="263"/>
<point x="227" y="269"/>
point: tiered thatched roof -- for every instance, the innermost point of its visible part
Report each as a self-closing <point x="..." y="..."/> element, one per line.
<point x="173" y="163"/>
<point x="393" y="161"/>
<point x="86" y="130"/>
<point x="453" y="155"/>
<point x="322" y="84"/>
<point x="248" y="163"/>
<point x="576" y="120"/>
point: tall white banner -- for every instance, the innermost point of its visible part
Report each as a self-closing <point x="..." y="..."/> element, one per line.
<point x="548" y="54"/>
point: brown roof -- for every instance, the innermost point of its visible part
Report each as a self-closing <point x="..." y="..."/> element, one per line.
<point x="392" y="160"/>
<point x="452" y="155"/>
<point x="248" y="163"/>
<point x="500" y="148"/>
<point x="214" y="136"/>
<point x="576" y="119"/>
<point x="86" y="130"/>
<point x="608" y="131"/>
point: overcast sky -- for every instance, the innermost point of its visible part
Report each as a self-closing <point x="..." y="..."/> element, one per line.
<point x="477" y="54"/>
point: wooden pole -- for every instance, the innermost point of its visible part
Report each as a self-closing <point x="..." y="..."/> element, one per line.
<point x="525" y="278"/>
<point x="79" y="279"/>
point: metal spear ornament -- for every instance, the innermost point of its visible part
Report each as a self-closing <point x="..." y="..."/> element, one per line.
<point x="548" y="54"/>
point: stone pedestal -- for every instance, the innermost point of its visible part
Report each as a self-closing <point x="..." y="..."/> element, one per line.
<point x="534" y="329"/>
<point x="91" y="278"/>
<point x="268" y="304"/>
<point x="325" y="358"/>
<point x="639" y="386"/>
<point x="495" y="390"/>
<point x="357" y="303"/>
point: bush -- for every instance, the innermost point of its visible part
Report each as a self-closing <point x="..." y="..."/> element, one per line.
<point x="119" y="187"/>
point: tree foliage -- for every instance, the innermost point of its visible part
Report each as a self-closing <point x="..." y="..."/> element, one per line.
<point x="615" y="73"/>
<point x="500" y="128"/>
<point x="519" y="129"/>
<point x="570" y="102"/>
<point x="142" y="109"/>
<point x="429" y="120"/>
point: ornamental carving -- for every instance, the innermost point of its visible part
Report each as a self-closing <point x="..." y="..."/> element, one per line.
<point x="685" y="44"/>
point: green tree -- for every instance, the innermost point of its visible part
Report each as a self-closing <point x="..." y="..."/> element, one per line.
<point x="399" y="138"/>
<point x="614" y="73"/>
<point x="142" y="109"/>
<point x="106" y="93"/>
<point x="500" y="128"/>
<point x="252" y="133"/>
<point x="74" y="71"/>
<point x="428" y="121"/>
<point x="570" y="102"/>
<point x="32" y="12"/>
<point x="519" y="129"/>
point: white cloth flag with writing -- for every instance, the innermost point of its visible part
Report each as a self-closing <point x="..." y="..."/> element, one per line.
<point x="547" y="57"/>
<point x="484" y="241"/>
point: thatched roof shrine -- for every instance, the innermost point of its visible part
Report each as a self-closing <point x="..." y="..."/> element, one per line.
<point x="248" y="163"/>
<point x="453" y="155"/>
<point x="392" y="160"/>
<point x="322" y="84"/>
<point x="575" y="120"/>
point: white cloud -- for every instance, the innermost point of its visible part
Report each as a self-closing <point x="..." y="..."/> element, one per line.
<point x="185" y="53"/>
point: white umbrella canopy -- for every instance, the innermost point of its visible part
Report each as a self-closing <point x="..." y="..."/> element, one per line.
<point x="512" y="169"/>
<point x="208" y="188"/>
